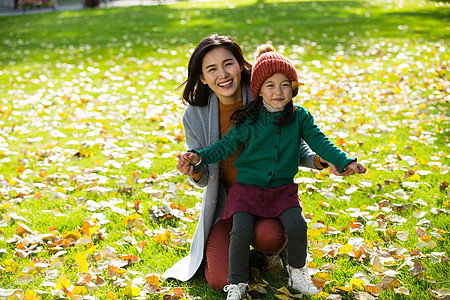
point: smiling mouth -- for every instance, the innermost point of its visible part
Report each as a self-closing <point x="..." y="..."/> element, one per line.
<point x="225" y="84"/>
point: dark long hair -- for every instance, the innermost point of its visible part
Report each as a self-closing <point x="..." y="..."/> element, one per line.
<point x="251" y="111"/>
<point x="196" y="92"/>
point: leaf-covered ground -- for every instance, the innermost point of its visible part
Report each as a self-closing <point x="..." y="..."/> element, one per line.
<point x="90" y="122"/>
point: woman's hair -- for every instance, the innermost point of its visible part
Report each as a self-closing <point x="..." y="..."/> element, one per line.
<point x="251" y="110"/>
<point x="196" y="92"/>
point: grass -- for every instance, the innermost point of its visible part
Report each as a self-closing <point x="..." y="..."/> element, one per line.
<point x="90" y="112"/>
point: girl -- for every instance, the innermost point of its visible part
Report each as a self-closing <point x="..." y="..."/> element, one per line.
<point x="271" y="128"/>
<point x="218" y="83"/>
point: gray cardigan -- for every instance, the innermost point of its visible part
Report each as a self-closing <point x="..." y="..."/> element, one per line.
<point x="201" y="127"/>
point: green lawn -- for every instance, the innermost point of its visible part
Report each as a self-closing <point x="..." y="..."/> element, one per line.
<point x="90" y="122"/>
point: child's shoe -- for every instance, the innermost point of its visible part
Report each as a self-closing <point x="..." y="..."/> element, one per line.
<point x="300" y="280"/>
<point x="235" y="291"/>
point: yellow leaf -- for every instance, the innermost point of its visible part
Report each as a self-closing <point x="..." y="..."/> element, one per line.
<point x="74" y="234"/>
<point x="368" y="175"/>
<point x="132" y="291"/>
<point x="415" y="177"/>
<point x="81" y="259"/>
<point x="284" y="291"/>
<point x="323" y="275"/>
<point x="447" y="203"/>
<point x="79" y="290"/>
<point x="342" y="288"/>
<point x="346" y="249"/>
<point x="10" y="266"/>
<point x="62" y="282"/>
<point x="318" y="176"/>
<point x="322" y="295"/>
<point x="31" y="295"/>
<point x="317" y="252"/>
<point x="357" y="284"/>
<point x="91" y="250"/>
<point x="314" y="232"/>
<point x="282" y="296"/>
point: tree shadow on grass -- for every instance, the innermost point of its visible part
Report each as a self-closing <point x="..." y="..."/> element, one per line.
<point x="323" y="24"/>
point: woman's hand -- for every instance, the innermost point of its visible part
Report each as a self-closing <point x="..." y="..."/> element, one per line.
<point x="186" y="162"/>
<point x="356" y="168"/>
<point x="335" y="169"/>
<point x="184" y="166"/>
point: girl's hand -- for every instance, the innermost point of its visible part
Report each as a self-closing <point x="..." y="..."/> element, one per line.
<point x="186" y="162"/>
<point x="355" y="167"/>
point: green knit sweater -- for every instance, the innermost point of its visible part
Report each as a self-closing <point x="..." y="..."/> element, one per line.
<point x="271" y="155"/>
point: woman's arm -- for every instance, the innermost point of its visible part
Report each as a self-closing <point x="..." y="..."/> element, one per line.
<point x="307" y="156"/>
<point x="193" y="141"/>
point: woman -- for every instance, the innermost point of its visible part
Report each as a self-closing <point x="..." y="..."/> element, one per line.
<point x="219" y="83"/>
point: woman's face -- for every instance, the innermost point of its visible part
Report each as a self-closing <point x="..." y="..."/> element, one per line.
<point x="222" y="73"/>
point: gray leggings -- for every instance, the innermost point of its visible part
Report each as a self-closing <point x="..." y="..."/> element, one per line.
<point x="242" y="234"/>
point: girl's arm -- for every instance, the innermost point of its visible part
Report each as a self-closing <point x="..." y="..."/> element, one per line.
<point x="310" y="159"/>
<point x="225" y="147"/>
<point x="320" y="143"/>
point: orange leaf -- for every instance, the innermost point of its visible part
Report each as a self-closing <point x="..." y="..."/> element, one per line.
<point x="178" y="291"/>
<point x="391" y="232"/>
<point x="153" y="280"/>
<point x="85" y="227"/>
<point x="129" y="258"/>
<point x="319" y="283"/>
<point x="115" y="271"/>
<point x="373" y="289"/>
<point x="112" y="295"/>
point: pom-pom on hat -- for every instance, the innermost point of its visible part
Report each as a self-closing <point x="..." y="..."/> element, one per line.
<point x="269" y="62"/>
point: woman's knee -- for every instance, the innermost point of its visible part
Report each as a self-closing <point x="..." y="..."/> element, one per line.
<point x="216" y="265"/>
<point x="269" y="235"/>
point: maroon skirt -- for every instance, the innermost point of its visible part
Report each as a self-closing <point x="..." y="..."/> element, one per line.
<point x="268" y="203"/>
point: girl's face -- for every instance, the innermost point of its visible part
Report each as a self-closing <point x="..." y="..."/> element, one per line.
<point x="276" y="91"/>
<point x="222" y="73"/>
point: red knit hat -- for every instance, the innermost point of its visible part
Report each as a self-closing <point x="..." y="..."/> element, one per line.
<point x="268" y="63"/>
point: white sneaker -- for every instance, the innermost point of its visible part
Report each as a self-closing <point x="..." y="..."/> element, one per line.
<point x="235" y="291"/>
<point x="300" y="280"/>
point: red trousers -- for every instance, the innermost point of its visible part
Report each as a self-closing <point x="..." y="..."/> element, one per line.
<point x="269" y="238"/>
